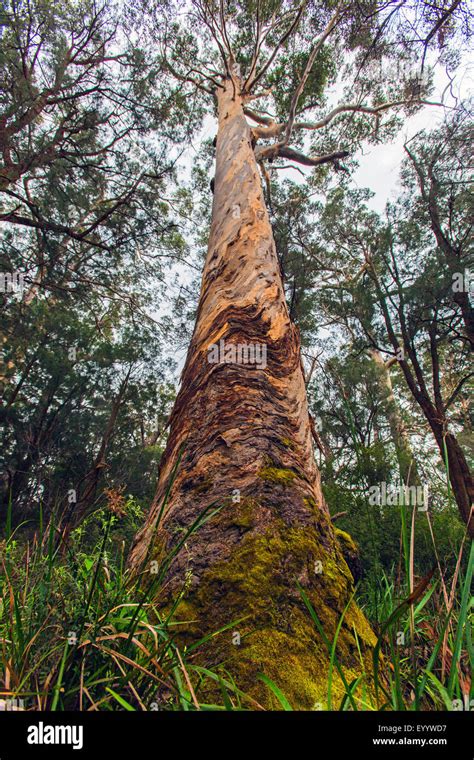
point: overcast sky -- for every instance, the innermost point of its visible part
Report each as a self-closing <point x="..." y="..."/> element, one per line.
<point x="380" y="165"/>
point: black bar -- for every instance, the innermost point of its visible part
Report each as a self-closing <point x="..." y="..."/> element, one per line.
<point x="169" y="734"/>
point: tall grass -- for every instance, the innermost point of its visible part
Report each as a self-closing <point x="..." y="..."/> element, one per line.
<point x="423" y="659"/>
<point x="76" y="632"/>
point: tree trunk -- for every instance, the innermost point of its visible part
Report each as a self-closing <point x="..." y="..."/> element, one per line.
<point x="406" y="460"/>
<point x="459" y="473"/>
<point x="460" y="476"/>
<point x="244" y="433"/>
<point x="76" y="512"/>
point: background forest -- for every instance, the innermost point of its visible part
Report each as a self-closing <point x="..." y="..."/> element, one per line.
<point x="106" y="162"/>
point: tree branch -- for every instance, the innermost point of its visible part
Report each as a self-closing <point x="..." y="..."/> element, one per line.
<point x="283" y="151"/>
<point x="251" y="82"/>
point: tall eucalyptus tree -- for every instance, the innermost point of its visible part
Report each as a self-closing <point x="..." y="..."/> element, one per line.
<point x="240" y="435"/>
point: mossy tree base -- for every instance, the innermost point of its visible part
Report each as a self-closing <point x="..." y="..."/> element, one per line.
<point x="257" y="587"/>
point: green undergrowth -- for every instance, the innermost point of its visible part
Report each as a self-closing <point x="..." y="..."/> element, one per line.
<point x="77" y="633"/>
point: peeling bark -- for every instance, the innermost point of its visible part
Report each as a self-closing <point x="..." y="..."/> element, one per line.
<point x="246" y="443"/>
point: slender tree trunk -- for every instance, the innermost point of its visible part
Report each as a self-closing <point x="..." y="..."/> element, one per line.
<point x="459" y="472"/>
<point x="245" y="437"/>
<point x="405" y="457"/>
<point x="75" y="513"/>
<point x="460" y="475"/>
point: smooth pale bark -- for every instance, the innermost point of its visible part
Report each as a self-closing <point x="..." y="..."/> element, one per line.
<point x="246" y="444"/>
<point x="405" y="457"/>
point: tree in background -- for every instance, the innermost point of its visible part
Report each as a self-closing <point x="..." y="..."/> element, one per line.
<point x="89" y="128"/>
<point x="401" y="294"/>
<point x="398" y="289"/>
<point x="368" y="428"/>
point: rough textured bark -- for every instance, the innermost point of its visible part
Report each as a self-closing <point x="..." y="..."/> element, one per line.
<point x="246" y="445"/>
<point x="460" y="475"/>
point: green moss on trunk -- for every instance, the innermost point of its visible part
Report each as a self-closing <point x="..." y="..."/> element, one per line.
<point x="256" y="589"/>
